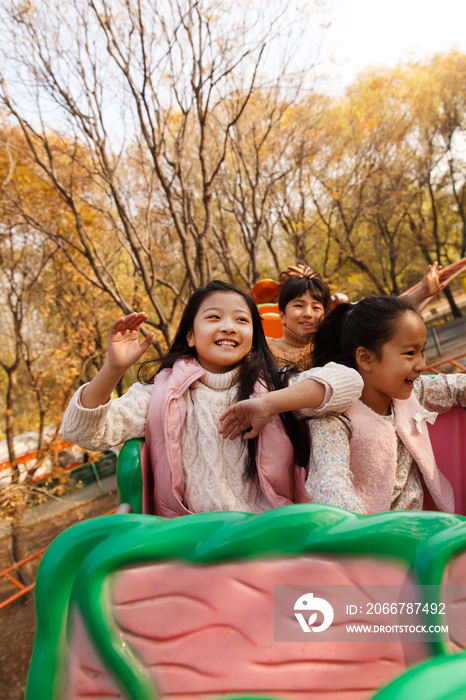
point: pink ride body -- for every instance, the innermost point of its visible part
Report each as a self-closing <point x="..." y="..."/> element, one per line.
<point x="163" y="485"/>
<point x="205" y="632"/>
<point x="374" y="454"/>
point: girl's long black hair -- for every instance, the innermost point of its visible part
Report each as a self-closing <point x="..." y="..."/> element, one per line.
<point x="258" y="365"/>
<point x="369" y="324"/>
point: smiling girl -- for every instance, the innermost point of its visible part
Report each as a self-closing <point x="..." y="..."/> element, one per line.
<point x="219" y="355"/>
<point x="377" y="455"/>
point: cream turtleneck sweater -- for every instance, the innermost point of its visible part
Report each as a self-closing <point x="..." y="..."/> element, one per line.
<point x="291" y="349"/>
<point x="213" y="467"/>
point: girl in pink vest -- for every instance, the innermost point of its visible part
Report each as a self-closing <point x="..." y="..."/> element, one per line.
<point x="377" y="456"/>
<point x="218" y="356"/>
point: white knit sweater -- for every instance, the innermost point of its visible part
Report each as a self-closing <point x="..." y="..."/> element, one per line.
<point x="213" y="467"/>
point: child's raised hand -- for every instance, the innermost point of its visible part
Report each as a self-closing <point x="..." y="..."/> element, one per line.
<point x="430" y="284"/>
<point x="124" y="350"/>
<point x="243" y="415"/>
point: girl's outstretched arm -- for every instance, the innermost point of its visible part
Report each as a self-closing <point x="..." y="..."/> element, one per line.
<point x="256" y="413"/>
<point x="442" y="392"/>
<point x="329" y="389"/>
<point x="124" y="350"/>
<point x="251" y="415"/>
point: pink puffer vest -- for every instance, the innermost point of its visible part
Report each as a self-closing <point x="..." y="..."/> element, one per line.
<point x="373" y="459"/>
<point x="163" y="484"/>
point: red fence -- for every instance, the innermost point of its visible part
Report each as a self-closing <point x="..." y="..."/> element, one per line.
<point x="23" y="590"/>
<point x="7" y="573"/>
<point x="450" y="360"/>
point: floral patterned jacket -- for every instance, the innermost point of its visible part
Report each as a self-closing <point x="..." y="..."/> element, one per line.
<point x="330" y="480"/>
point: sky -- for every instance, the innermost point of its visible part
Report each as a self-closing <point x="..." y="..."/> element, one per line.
<point x="367" y="33"/>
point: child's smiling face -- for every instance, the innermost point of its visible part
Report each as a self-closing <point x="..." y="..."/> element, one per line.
<point x="222" y="332"/>
<point x="402" y="361"/>
<point x="302" y="314"/>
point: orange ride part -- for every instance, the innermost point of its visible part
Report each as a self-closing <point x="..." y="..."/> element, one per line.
<point x="267" y="309"/>
<point x="273" y="327"/>
<point x="265" y="291"/>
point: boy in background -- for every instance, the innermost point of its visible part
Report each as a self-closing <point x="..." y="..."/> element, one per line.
<point x="303" y="301"/>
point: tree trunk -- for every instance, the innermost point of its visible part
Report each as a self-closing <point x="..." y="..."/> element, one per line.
<point x="9" y="422"/>
<point x="16" y="555"/>
<point x="454" y="309"/>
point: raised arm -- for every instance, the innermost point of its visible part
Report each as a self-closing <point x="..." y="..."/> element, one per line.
<point x="442" y="392"/>
<point x="329" y="389"/>
<point x="430" y="285"/>
<point x="124" y="350"/>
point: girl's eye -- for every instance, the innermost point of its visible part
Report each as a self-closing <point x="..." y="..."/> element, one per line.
<point x="214" y="316"/>
<point x="244" y="319"/>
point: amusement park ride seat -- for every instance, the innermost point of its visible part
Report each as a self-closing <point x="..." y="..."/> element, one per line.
<point x="136" y="606"/>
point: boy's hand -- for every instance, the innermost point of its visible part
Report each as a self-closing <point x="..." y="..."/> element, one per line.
<point x="243" y="415"/>
<point x="124" y="349"/>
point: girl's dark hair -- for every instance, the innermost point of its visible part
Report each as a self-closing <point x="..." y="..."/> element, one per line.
<point x="259" y="364"/>
<point x="369" y="324"/>
<point x="295" y="287"/>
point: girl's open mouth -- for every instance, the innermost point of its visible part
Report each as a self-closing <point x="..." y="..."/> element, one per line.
<point x="226" y="343"/>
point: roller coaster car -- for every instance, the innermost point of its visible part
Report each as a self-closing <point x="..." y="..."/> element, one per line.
<point x="139" y="607"/>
